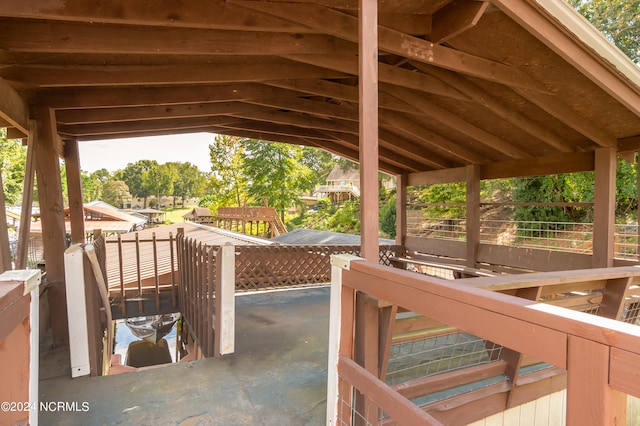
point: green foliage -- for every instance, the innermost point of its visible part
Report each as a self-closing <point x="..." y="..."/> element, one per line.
<point x="136" y="176"/>
<point x="444" y="193"/>
<point x="388" y="217"/>
<point x="227" y="183"/>
<point x="619" y="20"/>
<point x="12" y="161"/>
<point x="274" y="173"/>
<point x="115" y="192"/>
<point x="189" y="181"/>
<point x="346" y="219"/>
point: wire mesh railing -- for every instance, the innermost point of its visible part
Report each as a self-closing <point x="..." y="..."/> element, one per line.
<point x="560" y="236"/>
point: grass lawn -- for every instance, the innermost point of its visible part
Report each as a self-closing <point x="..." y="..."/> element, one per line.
<point x="174" y="215"/>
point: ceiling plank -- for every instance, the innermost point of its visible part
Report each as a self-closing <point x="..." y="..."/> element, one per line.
<point x="244" y="70"/>
<point x="324" y="109"/>
<point x="409" y="146"/>
<point x="72" y="37"/>
<point x="456" y="18"/>
<point x="486" y="100"/>
<point x="301" y="120"/>
<point x="387" y="74"/>
<point x="70" y="98"/>
<point x="345" y="26"/>
<point x="186" y="14"/>
<point x="13" y="109"/>
<point x="452" y="120"/>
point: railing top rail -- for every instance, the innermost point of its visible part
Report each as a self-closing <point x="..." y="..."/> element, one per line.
<point x="538" y="329"/>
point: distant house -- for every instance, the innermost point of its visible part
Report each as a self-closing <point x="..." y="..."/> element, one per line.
<point x="342" y="185"/>
<point x="199" y="215"/>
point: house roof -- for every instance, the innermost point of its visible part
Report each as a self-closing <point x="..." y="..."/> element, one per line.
<point x="198" y="212"/>
<point x="201" y="233"/>
<point x="460" y="82"/>
<point x="312" y="236"/>
<point x="338" y="173"/>
<point x="107" y="214"/>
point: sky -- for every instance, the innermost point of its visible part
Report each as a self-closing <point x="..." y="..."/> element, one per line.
<point x="115" y="154"/>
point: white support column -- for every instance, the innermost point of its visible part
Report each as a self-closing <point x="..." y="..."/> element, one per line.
<point x="225" y="314"/>
<point x="339" y="262"/>
<point x="77" y="311"/>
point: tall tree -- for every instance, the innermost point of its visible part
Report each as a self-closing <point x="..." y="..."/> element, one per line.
<point x="275" y="173"/>
<point x="135" y="175"/>
<point x="227" y="184"/>
<point x="159" y="180"/>
<point x="115" y="192"/>
<point x="189" y="182"/>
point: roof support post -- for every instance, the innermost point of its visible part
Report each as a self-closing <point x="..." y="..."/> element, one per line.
<point x="74" y="188"/>
<point x="52" y="214"/>
<point x="473" y="213"/>
<point x="401" y="208"/>
<point x="5" y="254"/>
<point x="368" y="90"/>
<point x="27" y="199"/>
<point x="604" y="207"/>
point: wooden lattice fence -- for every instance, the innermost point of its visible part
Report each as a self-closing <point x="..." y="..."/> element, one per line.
<point x="266" y="267"/>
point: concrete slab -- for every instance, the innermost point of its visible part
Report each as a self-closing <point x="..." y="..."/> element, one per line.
<point x="276" y="377"/>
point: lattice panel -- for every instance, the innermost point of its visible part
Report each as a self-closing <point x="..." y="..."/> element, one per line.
<point x="263" y="267"/>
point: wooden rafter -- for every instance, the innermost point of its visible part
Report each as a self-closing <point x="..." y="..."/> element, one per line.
<point x="456" y="18"/>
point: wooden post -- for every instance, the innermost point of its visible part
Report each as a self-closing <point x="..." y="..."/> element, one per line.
<point x="74" y="188"/>
<point x="52" y="216"/>
<point x="401" y="209"/>
<point x="366" y="351"/>
<point x="341" y="322"/>
<point x="590" y="399"/>
<point x="225" y="301"/>
<point x="27" y="200"/>
<point x="5" y="253"/>
<point x="604" y="207"/>
<point x="473" y="213"/>
<point x="368" y="89"/>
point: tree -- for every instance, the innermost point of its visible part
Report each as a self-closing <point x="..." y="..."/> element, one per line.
<point x="135" y="175"/>
<point x="159" y="180"/>
<point x="319" y="161"/>
<point x="227" y="184"/>
<point x="189" y="182"/>
<point x="275" y="173"/>
<point x="115" y="192"/>
<point x="12" y="161"/>
<point x="92" y="184"/>
<point x="619" y="20"/>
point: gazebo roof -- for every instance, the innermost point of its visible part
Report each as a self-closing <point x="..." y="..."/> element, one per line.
<point x="464" y="82"/>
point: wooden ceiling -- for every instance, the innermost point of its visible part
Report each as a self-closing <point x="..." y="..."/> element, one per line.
<point x="460" y="82"/>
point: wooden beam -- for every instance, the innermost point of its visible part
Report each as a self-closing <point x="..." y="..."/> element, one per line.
<point x="188" y="14"/>
<point x="590" y="398"/>
<point x="90" y="97"/>
<point x="604" y="207"/>
<point x="486" y="100"/>
<point x="368" y="107"/>
<point x="472" y="214"/>
<point x="27" y="198"/>
<point x="401" y="208"/>
<point x="76" y="37"/>
<point x="454" y="121"/>
<point x="342" y="25"/>
<point x="456" y="18"/>
<point x="431" y="177"/>
<point x="407" y="146"/>
<point x="52" y="216"/>
<point x="540" y="166"/>
<point x="249" y="69"/>
<point x="114" y="115"/>
<point x="629" y="144"/>
<point x="309" y="107"/>
<point x="13" y="109"/>
<point x="348" y="64"/>
<point x="74" y="187"/>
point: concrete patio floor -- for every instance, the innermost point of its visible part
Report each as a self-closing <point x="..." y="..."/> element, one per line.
<point x="277" y="375"/>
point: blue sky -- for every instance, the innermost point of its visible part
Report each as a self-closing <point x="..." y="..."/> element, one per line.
<point x="117" y="153"/>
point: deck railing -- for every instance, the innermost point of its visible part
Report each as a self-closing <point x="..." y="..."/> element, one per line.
<point x="600" y="355"/>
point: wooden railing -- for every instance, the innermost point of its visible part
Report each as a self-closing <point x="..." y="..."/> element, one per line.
<point x="600" y="355"/>
<point x="251" y="220"/>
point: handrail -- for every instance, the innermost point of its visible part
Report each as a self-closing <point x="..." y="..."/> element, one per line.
<point x="597" y="352"/>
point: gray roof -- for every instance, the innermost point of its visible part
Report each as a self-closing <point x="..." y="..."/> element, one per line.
<point x="302" y="236"/>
